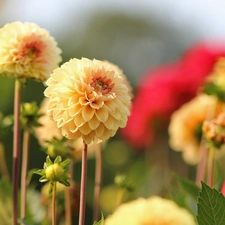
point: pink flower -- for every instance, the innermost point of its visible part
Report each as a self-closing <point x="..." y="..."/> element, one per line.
<point x="163" y="90"/>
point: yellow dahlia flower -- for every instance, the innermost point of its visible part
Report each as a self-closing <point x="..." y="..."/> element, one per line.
<point x="152" y="211"/>
<point x="88" y="99"/>
<point x="185" y="128"/>
<point x="27" y="51"/>
<point x="49" y="130"/>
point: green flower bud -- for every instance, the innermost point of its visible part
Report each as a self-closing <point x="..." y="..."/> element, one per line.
<point x="54" y="172"/>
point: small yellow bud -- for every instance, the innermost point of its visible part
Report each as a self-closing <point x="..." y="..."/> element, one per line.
<point x="54" y="172"/>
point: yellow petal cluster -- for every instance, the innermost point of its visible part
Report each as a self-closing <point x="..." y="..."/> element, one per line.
<point x="49" y="130"/>
<point x="27" y="51"/>
<point x="88" y="99"/>
<point x="152" y="211"/>
<point x="185" y="127"/>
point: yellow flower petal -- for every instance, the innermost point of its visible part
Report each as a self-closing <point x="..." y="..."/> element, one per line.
<point x="102" y="114"/>
<point x="87" y="113"/>
<point x="94" y="122"/>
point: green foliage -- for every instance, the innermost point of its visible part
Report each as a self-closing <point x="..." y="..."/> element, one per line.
<point x="6" y="124"/>
<point x="122" y="182"/>
<point x="213" y="89"/>
<point x="188" y="186"/>
<point x="211" y="206"/>
<point x="5" y="202"/>
<point x="100" y="222"/>
<point x="29" y="115"/>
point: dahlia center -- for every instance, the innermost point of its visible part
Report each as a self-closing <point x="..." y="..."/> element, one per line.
<point x="102" y="84"/>
<point x="32" y="49"/>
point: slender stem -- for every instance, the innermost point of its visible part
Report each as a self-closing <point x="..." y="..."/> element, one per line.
<point x="26" y="140"/>
<point x="210" y="167"/>
<point x="202" y="164"/>
<point x="210" y="112"/>
<point x="98" y="180"/>
<point x="68" y="213"/>
<point x="16" y="151"/>
<point x="3" y="167"/>
<point x="54" y="204"/>
<point x="83" y="186"/>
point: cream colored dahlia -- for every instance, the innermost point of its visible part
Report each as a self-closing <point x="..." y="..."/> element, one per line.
<point x="88" y="99"/>
<point x="185" y="128"/>
<point x="152" y="211"/>
<point x="27" y="51"/>
<point x="49" y="130"/>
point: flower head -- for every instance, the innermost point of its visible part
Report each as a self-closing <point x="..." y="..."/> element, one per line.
<point x="27" y="51"/>
<point x="88" y="99"/>
<point x="185" y="128"/>
<point x="214" y="131"/>
<point x="152" y="211"/>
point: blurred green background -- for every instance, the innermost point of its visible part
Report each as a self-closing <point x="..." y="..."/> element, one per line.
<point x="135" y="35"/>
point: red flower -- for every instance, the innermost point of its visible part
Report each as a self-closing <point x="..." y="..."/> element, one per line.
<point x="163" y="90"/>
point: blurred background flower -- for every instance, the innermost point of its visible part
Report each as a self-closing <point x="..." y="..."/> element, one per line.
<point x="154" y="210"/>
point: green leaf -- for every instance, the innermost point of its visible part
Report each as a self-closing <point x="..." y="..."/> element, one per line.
<point x="65" y="182"/>
<point x="52" y="183"/>
<point x="43" y="179"/>
<point x="58" y="159"/>
<point x="40" y="172"/>
<point x="48" y="161"/>
<point x="211" y="206"/>
<point x="188" y="186"/>
<point x="101" y="222"/>
<point x="65" y="165"/>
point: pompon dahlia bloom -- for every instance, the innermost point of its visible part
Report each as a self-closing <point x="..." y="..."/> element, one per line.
<point x="27" y="51"/>
<point x="49" y="130"/>
<point x="185" y="128"/>
<point x="88" y="99"/>
<point x="152" y="211"/>
<point x="163" y="90"/>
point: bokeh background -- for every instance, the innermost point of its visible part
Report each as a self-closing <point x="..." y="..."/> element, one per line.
<point x="135" y="35"/>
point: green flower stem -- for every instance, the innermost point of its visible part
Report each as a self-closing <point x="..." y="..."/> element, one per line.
<point x="210" y="166"/>
<point x="98" y="180"/>
<point x="3" y="167"/>
<point x="202" y="164"/>
<point x="83" y="185"/>
<point x="68" y="213"/>
<point x="26" y="140"/>
<point x="54" y="204"/>
<point x="16" y="151"/>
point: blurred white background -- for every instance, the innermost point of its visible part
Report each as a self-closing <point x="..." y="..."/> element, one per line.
<point x="173" y="24"/>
